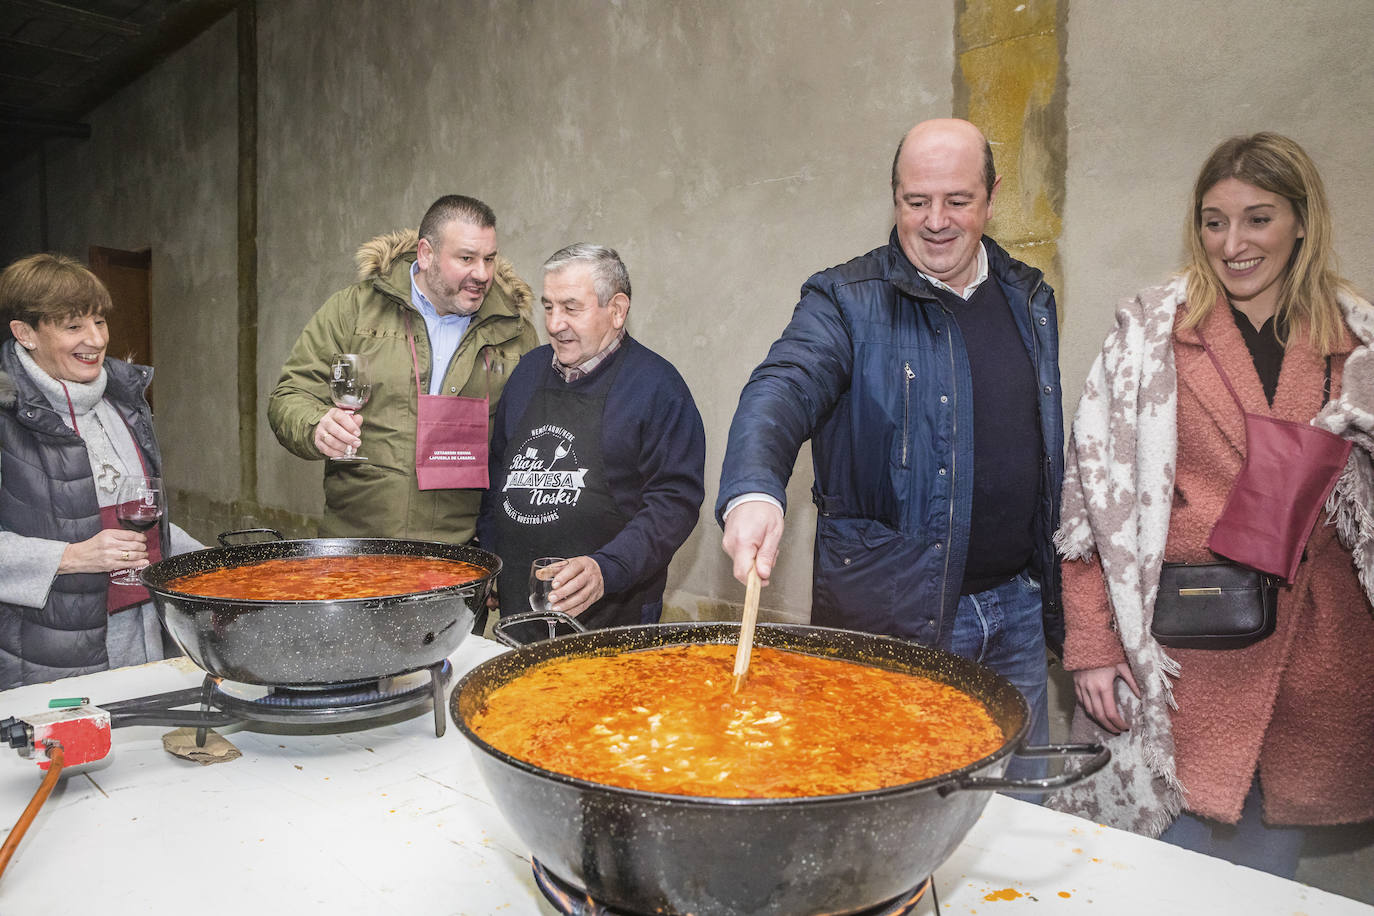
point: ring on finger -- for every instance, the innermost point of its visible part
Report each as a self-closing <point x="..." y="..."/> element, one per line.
<point x="125" y="557"/>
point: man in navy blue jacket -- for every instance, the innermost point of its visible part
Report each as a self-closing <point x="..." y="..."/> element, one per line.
<point x="597" y="454"/>
<point x="925" y="373"/>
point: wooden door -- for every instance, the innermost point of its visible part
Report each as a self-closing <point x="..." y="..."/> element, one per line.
<point x="127" y="275"/>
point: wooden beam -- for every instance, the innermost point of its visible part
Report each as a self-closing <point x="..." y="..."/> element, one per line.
<point x="46" y="50"/>
<point x="45" y="127"/>
<point x="50" y="10"/>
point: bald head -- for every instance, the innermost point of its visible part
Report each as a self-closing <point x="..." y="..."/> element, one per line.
<point x="942" y="189"/>
<point x="954" y="135"/>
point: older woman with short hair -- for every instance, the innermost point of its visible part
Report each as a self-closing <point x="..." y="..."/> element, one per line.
<point x="73" y="423"/>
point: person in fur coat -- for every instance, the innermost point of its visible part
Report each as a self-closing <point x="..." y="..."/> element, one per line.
<point x="448" y="292"/>
<point x="1227" y="752"/>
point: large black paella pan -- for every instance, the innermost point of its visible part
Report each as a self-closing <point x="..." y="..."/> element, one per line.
<point x="672" y="854"/>
<point x="307" y="643"/>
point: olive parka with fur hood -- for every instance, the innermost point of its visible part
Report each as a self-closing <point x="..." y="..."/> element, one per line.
<point x="381" y="497"/>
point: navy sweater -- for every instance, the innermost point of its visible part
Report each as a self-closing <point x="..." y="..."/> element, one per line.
<point x="655" y="450"/>
<point x="1006" y="439"/>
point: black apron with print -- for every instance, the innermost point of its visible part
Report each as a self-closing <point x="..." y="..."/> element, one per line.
<point x="554" y="499"/>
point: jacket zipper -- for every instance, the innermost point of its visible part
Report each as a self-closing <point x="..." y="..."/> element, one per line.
<point x="953" y="470"/>
<point x="908" y="375"/>
<point x="1045" y="461"/>
<point x="1035" y="338"/>
<point x="1049" y="580"/>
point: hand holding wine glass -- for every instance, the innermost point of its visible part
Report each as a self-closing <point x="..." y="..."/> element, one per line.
<point x="579" y="580"/>
<point x="542" y="572"/>
<point x="350" y="386"/>
<point x="139" y="504"/>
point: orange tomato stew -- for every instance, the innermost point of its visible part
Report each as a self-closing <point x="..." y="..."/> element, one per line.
<point x="328" y="578"/>
<point x="666" y="720"/>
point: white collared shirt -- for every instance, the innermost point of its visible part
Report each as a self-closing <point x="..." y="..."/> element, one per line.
<point x="978" y="278"/>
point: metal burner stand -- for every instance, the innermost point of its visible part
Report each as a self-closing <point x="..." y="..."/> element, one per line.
<point x="571" y="900"/>
<point x="329" y="704"/>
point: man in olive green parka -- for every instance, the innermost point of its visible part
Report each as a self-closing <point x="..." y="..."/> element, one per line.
<point x="466" y="305"/>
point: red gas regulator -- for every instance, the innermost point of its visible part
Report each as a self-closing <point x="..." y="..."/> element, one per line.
<point x="80" y="729"/>
<point x="72" y="734"/>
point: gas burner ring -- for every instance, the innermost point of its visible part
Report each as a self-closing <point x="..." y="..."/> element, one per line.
<point x="352" y="702"/>
<point x="571" y="900"/>
<point x="224" y="703"/>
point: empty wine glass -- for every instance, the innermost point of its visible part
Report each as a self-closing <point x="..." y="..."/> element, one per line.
<point x="138" y="507"/>
<point x="350" y="386"/>
<point x="542" y="572"/>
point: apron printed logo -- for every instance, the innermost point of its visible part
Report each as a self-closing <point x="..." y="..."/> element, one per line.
<point x="543" y="476"/>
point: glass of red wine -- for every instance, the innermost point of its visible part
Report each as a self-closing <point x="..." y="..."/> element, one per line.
<point x="139" y="505"/>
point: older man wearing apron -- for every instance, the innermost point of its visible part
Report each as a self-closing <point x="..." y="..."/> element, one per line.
<point x="597" y="454"/>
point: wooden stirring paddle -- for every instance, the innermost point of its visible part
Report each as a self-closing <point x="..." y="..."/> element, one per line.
<point x="746" y="629"/>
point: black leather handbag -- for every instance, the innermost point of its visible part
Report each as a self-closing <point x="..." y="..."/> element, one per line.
<point x="1214" y="606"/>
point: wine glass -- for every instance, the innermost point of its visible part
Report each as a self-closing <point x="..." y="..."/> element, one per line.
<point x="542" y="572"/>
<point x="350" y="386"/>
<point x="139" y="504"/>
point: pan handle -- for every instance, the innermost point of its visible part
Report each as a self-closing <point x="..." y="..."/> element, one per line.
<point x="1097" y="755"/>
<point x="226" y="535"/>
<point x="528" y="621"/>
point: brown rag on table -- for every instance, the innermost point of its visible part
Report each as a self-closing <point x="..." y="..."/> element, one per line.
<point x="217" y="749"/>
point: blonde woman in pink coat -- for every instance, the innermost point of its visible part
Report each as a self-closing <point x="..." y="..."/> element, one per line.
<point x="1227" y="752"/>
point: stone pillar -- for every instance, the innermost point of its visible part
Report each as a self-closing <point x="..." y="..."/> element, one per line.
<point x="1010" y="80"/>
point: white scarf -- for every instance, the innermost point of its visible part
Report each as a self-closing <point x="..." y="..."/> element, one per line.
<point x="1118" y="489"/>
<point x="109" y="444"/>
<point x="1351" y="416"/>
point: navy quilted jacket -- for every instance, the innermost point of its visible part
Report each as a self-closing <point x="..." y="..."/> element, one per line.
<point x="46" y="490"/>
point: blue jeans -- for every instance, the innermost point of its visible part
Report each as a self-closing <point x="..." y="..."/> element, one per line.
<point x="1002" y="628"/>
<point x="1250" y="842"/>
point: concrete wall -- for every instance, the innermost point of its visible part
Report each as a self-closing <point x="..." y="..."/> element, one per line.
<point x="727" y="150"/>
<point x="1153" y="88"/>
<point x="158" y="173"/>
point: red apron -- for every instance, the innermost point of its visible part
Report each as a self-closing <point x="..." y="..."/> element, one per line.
<point x="450" y="434"/>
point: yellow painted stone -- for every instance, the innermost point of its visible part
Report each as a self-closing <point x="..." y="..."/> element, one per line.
<point x="1008" y="58"/>
<point x="985" y="22"/>
<point x="1011" y="85"/>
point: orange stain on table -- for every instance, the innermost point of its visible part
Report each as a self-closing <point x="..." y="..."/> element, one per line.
<point x="1006" y="893"/>
<point x="1065" y="894"/>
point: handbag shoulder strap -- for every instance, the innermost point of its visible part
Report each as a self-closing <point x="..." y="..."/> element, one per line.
<point x="1220" y="371"/>
<point x="1326" y="383"/>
